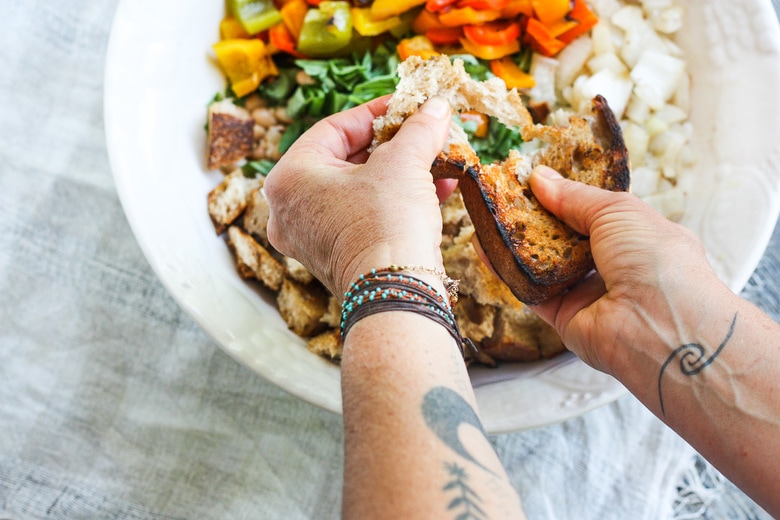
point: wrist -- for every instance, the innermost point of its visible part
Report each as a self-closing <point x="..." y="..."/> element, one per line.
<point x="689" y="312"/>
<point x="426" y="266"/>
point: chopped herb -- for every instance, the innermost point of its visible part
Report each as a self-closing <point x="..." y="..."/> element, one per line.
<point x="499" y="141"/>
<point x="254" y="168"/>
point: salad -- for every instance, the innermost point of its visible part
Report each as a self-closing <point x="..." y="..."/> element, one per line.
<point x="348" y="51"/>
<point x="289" y="63"/>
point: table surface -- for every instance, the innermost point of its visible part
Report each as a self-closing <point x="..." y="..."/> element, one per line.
<point x="114" y="404"/>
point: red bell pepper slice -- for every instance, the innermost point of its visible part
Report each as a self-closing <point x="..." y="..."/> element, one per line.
<point x="445" y="36"/>
<point x="492" y="33"/>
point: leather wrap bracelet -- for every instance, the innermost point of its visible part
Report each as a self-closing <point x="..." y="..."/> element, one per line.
<point x="390" y="290"/>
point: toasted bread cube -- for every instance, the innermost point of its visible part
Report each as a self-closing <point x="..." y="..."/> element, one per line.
<point x="515" y="338"/>
<point x="256" y="216"/>
<point x="253" y="260"/>
<point x="229" y="199"/>
<point x="302" y="307"/>
<point x="475" y="321"/>
<point x="297" y="271"/>
<point x="327" y="344"/>
<point x="231" y="135"/>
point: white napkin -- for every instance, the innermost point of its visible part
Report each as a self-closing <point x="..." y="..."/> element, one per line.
<point x="114" y="404"/>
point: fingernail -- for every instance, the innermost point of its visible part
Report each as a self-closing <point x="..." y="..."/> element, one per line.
<point x="436" y="107"/>
<point x="547" y="172"/>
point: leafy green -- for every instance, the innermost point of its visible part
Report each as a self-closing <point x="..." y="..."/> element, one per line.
<point x="499" y="141"/>
<point x="254" y="168"/>
<point x="336" y="84"/>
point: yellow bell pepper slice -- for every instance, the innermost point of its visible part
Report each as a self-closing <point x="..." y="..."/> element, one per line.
<point x="366" y="25"/>
<point x="245" y="62"/>
<point x="381" y="9"/>
<point x="230" y="28"/>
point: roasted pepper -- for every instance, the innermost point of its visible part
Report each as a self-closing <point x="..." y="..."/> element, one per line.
<point x="366" y="25"/>
<point x="293" y="13"/>
<point x="517" y="7"/>
<point x="540" y="38"/>
<point x="479" y="121"/>
<point x="230" y="28"/>
<point x="513" y="76"/>
<point x="245" y="62"/>
<point x="381" y="9"/>
<point x="326" y="29"/>
<point x="466" y="16"/>
<point x="416" y="46"/>
<point x="585" y="18"/>
<point x="499" y="32"/>
<point x="255" y="15"/>
<point x="446" y="36"/>
<point x="549" y="11"/>
<point x="490" y="52"/>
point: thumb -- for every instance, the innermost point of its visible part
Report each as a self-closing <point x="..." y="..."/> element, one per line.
<point x="577" y="204"/>
<point x="422" y="136"/>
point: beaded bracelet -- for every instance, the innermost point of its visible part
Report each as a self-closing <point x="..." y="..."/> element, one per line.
<point x="387" y="290"/>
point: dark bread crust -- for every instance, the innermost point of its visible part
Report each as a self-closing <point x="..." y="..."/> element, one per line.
<point x="533" y="252"/>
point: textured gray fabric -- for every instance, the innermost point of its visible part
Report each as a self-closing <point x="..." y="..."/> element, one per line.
<point x="114" y="404"/>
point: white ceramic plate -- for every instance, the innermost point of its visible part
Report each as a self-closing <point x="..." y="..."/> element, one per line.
<point x="159" y="78"/>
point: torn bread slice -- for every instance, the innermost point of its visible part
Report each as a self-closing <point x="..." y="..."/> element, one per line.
<point x="532" y="251"/>
<point x="231" y="134"/>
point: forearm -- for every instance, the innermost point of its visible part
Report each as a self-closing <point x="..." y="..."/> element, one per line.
<point x="413" y="441"/>
<point x="711" y="371"/>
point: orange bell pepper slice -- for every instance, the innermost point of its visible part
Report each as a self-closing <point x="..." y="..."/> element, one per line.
<point x="492" y="33"/>
<point x="416" y="46"/>
<point x="549" y="11"/>
<point x="585" y="18"/>
<point x="481" y="121"/>
<point x="426" y="21"/>
<point x="435" y="6"/>
<point x="484" y="5"/>
<point x="513" y="76"/>
<point x="490" y="52"/>
<point x="293" y="12"/>
<point x="539" y="37"/>
<point x="517" y="7"/>
<point x="281" y="39"/>
<point x="561" y="26"/>
<point x="467" y="16"/>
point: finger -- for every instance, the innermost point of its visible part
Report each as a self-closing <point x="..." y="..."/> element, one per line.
<point x="560" y="310"/>
<point x="482" y="255"/>
<point x="444" y="188"/>
<point x="576" y="203"/>
<point x="345" y="134"/>
<point x="421" y="137"/>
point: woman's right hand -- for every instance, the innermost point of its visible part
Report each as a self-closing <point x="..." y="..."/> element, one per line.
<point x="651" y="273"/>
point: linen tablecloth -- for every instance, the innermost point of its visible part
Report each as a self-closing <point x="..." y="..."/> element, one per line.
<point x="114" y="404"/>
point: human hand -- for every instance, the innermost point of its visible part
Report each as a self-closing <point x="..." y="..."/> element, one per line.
<point x="342" y="212"/>
<point x="651" y="273"/>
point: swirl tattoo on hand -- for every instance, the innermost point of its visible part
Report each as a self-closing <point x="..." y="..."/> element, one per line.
<point x="692" y="360"/>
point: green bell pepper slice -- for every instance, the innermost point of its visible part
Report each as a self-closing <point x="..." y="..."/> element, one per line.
<point x="326" y="29"/>
<point x="255" y="15"/>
